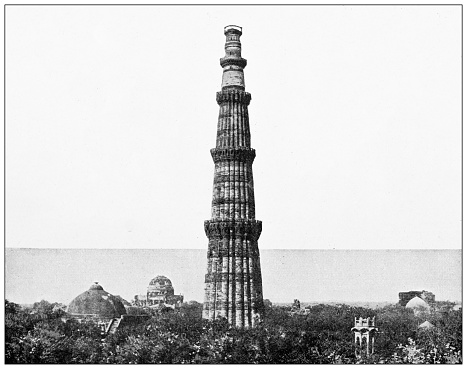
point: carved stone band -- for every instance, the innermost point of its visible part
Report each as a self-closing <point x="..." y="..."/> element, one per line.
<point x="225" y="229"/>
<point x="234" y="201"/>
<point x="246" y="155"/>
<point x="226" y="276"/>
<point x="238" y="250"/>
<point x="234" y="96"/>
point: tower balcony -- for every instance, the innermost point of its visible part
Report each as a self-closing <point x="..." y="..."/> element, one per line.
<point x="233" y="60"/>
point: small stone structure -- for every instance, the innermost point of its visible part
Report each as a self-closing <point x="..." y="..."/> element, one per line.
<point x="365" y="332"/>
<point x="405" y="297"/>
<point x="297" y="309"/>
<point x="160" y="293"/>
<point x="296" y="304"/>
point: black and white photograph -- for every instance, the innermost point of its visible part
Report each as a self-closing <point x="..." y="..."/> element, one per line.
<point x="233" y="184"/>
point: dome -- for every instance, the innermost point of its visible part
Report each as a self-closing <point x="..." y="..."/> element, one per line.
<point x="160" y="286"/>
<point x="417" y="303"/>
<point x="161" y="281"/>
<point x="97" y="302"/>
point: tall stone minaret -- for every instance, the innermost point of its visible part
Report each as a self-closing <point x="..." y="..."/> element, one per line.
<point x="233" y="281"/>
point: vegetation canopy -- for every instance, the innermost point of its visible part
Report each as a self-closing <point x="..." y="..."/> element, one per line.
<point x="43" y="334"/>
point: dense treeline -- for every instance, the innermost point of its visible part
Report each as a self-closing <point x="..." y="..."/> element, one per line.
<point x="41" y="335"/>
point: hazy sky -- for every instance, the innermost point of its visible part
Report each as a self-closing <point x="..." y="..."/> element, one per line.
<point x="355" y="118"/>
<point x="309" y="275"/>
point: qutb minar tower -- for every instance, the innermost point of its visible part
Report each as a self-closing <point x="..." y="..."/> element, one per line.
<point x="233" y="280"/>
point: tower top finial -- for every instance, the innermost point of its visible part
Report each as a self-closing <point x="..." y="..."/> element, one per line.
<point x="232" y="62"/>
<point x="233" y="29"/>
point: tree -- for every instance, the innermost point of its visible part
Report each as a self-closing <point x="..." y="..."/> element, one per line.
<point x="40" y="335"/>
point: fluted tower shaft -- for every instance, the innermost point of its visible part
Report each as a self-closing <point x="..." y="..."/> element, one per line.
<point x="233" y="285"/>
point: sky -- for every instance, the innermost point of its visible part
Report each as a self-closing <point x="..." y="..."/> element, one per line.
<point x="355" y="117"/>
<point x="59" y="275"/>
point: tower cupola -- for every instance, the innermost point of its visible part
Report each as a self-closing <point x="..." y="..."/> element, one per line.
<point x="232" y="62"/>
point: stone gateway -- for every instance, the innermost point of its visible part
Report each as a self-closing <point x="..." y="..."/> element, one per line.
<point x="233" y="284"/>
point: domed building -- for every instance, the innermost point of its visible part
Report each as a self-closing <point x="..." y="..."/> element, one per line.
<point x="160" y="292"/>
<point x="98" y="305"/>
<point x="160" y="286"/>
